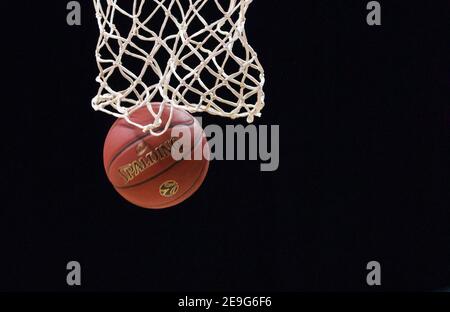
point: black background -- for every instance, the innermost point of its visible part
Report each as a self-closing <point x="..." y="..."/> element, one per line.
<point x="365" y="131"/>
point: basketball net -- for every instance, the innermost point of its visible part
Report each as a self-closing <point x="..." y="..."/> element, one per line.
<point x="192" y="54"/>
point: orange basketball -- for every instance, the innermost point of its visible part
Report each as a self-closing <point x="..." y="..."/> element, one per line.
<point x="141" y="167"/>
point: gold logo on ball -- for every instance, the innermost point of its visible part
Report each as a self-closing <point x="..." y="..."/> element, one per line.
<point x="141" y="149"/>
<point x="169" y="188"/>
<point x="147" y="159"/>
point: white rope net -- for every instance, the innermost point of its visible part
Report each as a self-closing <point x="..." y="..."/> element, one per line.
<point x="192" y="54"/>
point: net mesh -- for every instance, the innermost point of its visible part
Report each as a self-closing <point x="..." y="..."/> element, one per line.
<point x="192" y="54"/>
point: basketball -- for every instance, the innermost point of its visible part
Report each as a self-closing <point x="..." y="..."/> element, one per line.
<point x="140" y="165"/>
